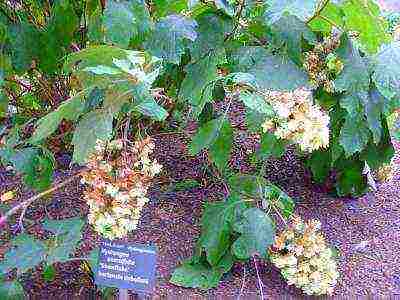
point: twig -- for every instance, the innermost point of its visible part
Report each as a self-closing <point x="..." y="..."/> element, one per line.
<point x="260" y="284"/>
<point x="24" y="205"/>
<point x="318" y="12"/>
<point x="237" y="16"/>
<point x="243" y="282"/>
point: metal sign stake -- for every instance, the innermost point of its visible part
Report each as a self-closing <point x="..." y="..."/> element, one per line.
<point x="123" y="294"/>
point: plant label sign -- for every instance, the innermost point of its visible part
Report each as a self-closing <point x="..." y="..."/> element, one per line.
<point x="127" y="266"/>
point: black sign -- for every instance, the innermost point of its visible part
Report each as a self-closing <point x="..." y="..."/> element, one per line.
<point x="127" y="266"/>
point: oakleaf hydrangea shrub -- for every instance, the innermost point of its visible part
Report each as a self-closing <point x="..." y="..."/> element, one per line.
<point x="321" y="75"/>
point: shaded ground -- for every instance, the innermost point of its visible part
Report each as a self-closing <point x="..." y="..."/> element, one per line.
<point x="365" y="230"/>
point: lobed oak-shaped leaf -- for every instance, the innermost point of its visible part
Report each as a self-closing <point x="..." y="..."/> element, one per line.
<point x="11" y="290"/>
<point x="279" y="73"/>
<point x="200" y="274"/>
<point x="124" y="20"/>
<point x="206" y="135"/>
<point x="257" y="233"/>
<point x="302" y="9"/>
<point x="220" y="150"/>
<point x="197" y="85"/>
<point x="95" y="125"/>
<point x="387" y="70"/>
<point x="170" y="36"/>
<point x="270" y="145"/>
<point x="354" y="135"/>
<point x="25" y="254"/>
<point x="355" y="74"/>
<point x="211" y="33"/>
<point x="291" y="31"/>
<point x="69" y="110"/>
<point x="365" y="18"/>
<point x="216" y="228"/>
<point x="67" y="233"/>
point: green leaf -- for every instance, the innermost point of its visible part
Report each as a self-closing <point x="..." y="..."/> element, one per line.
<point x="151" y="109"/>
<point x="57" y="36"/>
<point x="39" y="172"/>
<point x="23" y="158"/>
<point x="206" y="135"/>
<point x="26" y="253"/>
<point x="243" y="59"/>
<point x="290" y="30"/>
<point x="11" y="290"/>
<point x="103" y="70"/>
<point x="354" y="135"/>
<point x="240" y="78"/>
<point x="355" y="74"/>
<point x="163" y="8"/>
<point x="93" y="56"/>
<point x="302" y="9"/>
<point x="373" y="107"/>
<point x="250" y="185"/>
<point x="257" y="103"/>
<point x="351" y="180"/>
<point x="270" y="145"/>
<point x="67" y="233"/>
<point x="69" y="110"/>
<point x="225" y="6"/>
<point x="387" y="70"/>
<point x="319" y="163"/>
<point x="365" y="18"/>
<point x="196" y="86"/>
<point x="378" y="155"/>
<point x="93" y="259"/>
<point x="331" y="12"/>
<point x="126" y="20"/>
<point x="278" y="73"/>
<point x="280" y="199"/>
<point x="24" y="39"/>
<point x="49" y="273"/>
<point x="220" y="150"/>
<point x="169" y="39"/>
<point x="257" y="234"/>
<point x="36" y="168"/>
<point x="216" y="228"/>
<point x="211" y="33"/>
<point x="200" y="275"/>
<point x="95" y="125"/>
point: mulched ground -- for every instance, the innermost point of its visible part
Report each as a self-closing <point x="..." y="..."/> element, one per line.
<point x="365" y="231"/>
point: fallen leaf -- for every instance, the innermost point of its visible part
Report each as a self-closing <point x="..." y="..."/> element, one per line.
<point x="7" y="196"/>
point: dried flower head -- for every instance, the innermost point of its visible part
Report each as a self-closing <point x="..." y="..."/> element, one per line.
<point x="322" y="64"/>
<point x="116" y="182"/>
<point x="304" y="259"/>
<point x="298" y="119"/>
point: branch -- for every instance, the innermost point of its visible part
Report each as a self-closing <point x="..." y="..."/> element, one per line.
<point x="237" y="16"/>
<point x="260" y="283"/>
<point x="318" y="12"/>
<point x="24" y="205"/>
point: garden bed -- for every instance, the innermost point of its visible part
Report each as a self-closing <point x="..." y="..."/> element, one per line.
<point x="365" y="231"/>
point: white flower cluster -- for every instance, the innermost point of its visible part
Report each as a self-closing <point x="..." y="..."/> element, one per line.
<point x="117" y="184"/>
<point x="304" y="258"/>
<point x="384" y="173"/>
<point x="298" y="119"/>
